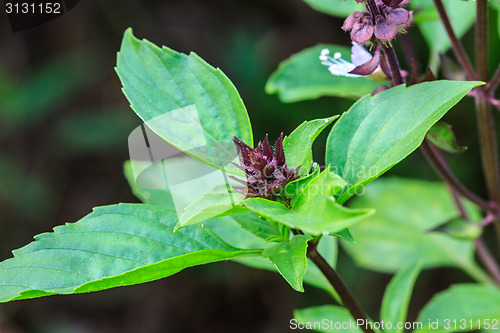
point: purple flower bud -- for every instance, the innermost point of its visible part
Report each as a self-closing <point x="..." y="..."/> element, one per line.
<point x="397" y="15"/>
<point x="279" y="153"/>
<point x="267" y="173"/>
<point x="385" y="29"/>
<point x="363" y="31"/>
<point x="352" y="19"/>
<point x="370" y="66"/>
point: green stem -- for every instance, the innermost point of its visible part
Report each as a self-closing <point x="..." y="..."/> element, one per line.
<point x="348" y="300"/>
<point x="485" y="120"/>
<point x="477" y="273"/>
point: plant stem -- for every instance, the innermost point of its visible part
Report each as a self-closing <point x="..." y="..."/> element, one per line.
<point x="495" y="80"/>
<point x="486" y="122"/>
<point x="457" y="47"/>
<point x="372" y="8"/>
<point x="437" y="161"/>
<point x="397" y="79"/>
<point x="348" y="300"/>
<point x="488" y="260"/>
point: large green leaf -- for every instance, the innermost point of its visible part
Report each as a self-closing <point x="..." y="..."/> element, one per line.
<point x="397" y="298"/>
<point x="337" y="8"/>
<point x="378" y="132"/>
<point x="298" y="145"/>
<point x="148" y="194"/>
<point x="187" y="102"/>
<point x="114" y="246"/>
<point x="303" y="77"/>
<point x="290" y="257"/>
<point x="326" y="318"/>
<point x="462" y="15"/>
<point x="398" y="233"/>
<point x="471" y="306"/>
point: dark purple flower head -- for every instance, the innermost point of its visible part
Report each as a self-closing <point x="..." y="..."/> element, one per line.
<point x="383" y="23"/>
<point x="267" y="172"/>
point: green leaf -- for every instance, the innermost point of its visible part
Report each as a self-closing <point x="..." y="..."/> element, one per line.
<point x="303" y="77"/>
<point x="233" y="233"/>
<point x="337" y="8"/>
<point x="290" y="259"/>
<point x="149" y="195"/>
<point x="328" y="218"/>
<point x="317" y="190"/>
<point x="345" y="235"/>
<point x="441" y="135"/>
<point x="298" y="145"/>
<point x="195" y="190"/>
<point x="378" y="132"/>
<point x="397" y="297"/>
<point x="184" y="100"/>
<point x="114" y="246"/>
<point x="462" y="15"/>
<point x="327" y="318"/>
<point x="208" y="206"/>
<point x="469" y="303"/>
<point x="397" y="234"/>
<point x="264" y="229"/>
<point x="294" y="187"/>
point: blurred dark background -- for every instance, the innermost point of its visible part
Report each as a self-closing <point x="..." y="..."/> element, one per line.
<point x="64" y="125"/>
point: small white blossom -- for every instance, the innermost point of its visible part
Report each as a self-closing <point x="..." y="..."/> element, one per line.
<point x="340" y="67"/>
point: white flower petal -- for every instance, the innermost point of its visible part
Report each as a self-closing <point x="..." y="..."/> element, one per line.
<point x="359" y="55"/>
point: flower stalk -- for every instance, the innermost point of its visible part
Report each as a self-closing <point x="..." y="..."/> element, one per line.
<point x="348" y="300"/>
<point x="457" y="47"/>
<point x="486" y="122"/>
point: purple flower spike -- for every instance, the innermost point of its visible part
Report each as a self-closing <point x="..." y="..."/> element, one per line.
<point x="385" y="29"/>
<point x="267" y="172"/>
